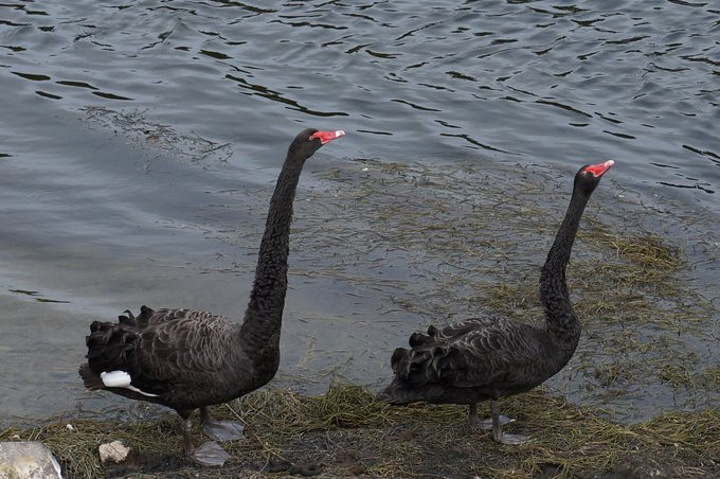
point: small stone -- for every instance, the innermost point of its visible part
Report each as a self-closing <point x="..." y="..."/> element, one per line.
<point x="113" y="452"/>
<point x="28" y="460"/>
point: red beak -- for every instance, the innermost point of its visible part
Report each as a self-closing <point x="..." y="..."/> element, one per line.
<point x="327" y="136"/>
<point x="601" y="168"/>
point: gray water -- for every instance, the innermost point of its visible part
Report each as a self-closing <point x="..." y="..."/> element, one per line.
<point x="139" y="143"/>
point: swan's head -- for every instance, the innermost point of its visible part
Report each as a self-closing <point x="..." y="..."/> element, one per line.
<point x="588" y="177"/>
<point x="310" y="140"/>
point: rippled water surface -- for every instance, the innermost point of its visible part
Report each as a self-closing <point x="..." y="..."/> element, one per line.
<point x="139" y="142"/>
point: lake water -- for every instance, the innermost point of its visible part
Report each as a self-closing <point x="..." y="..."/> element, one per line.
<point x="139" y="144"/>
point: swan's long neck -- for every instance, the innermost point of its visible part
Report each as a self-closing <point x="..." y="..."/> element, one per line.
<point x="561" y="319"/>
<point x="260" y="331"/>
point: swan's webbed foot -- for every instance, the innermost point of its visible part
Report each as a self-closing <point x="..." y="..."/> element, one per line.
<point x="223" y="430"/>
<point x="210" y="454"/>
<point x="485" y="424"/>
<point x="220" y="430"/>
<point x="511" y="439"/>
<point x="497" y="422"/>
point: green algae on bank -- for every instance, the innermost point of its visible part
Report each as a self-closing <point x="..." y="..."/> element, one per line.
<point x="348" y="433"/>
<point x="471" y="243"/>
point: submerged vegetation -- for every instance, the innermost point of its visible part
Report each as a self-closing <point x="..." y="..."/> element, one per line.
<point x="346" y="433"/>
<point x="474" y="242"/>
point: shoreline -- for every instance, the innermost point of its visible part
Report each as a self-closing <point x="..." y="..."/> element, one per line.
<point x="348" y="433"/>
<point x="646" y="340"/>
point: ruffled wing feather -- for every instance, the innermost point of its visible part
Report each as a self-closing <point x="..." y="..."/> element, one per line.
<point x="477" y="353"/>
<point x="162" y="350"/>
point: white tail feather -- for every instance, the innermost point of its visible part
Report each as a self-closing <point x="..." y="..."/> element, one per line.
<point x="121" y="379"/>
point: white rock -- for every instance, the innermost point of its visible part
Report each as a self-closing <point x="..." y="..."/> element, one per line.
<point x="114" y="451"/>
<point x="27" y="460"/>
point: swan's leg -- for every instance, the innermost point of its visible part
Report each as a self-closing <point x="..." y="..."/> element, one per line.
<point x="209" y="454"/>
<point x="498" y="435"/>
<point x="187" y="439"/>
<point x="485" y="424"/>
<point x="220" y="430"/>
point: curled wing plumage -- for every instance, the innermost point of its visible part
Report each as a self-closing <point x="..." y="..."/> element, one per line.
<point x="471" y="354"/>
<point x="160" y="349"/>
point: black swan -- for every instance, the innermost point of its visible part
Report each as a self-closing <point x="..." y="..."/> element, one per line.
<point x="488" y="358"/>
<point x="186" y="359"/>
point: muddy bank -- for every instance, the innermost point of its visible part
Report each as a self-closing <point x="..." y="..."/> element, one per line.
<point x="346" y="433"/>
